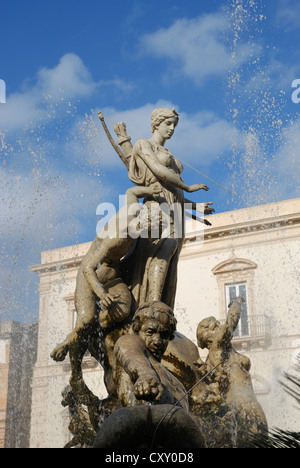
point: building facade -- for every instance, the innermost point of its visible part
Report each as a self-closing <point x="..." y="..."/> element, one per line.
<point x="252" y="252"/>
<point x="18" y="346"/>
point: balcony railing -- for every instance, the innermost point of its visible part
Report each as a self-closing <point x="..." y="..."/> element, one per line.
<point x="253" y="330"/>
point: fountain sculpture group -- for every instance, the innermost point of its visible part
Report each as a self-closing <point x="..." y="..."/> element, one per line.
<point x="160" y="392"/>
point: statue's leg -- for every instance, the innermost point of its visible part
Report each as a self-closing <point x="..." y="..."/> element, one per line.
<point x="77" y="351"/>
<point x="79" y="341"/>
<point x="170" y="284"/>
<point x="159" y="268"/>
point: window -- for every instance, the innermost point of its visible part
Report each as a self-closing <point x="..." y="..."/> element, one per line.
<point x="235" y="290"/>
<point x="235" y="277"/>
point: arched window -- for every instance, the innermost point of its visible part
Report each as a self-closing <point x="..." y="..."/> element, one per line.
<point x="236" y="278"/>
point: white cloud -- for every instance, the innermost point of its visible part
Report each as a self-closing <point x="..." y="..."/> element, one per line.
<point x="288" y="14"/>
<point x="69" y="79"/>
<point x="196" y="47"/>
<point x="18" y="111"/>
<point x="71" y="75"/>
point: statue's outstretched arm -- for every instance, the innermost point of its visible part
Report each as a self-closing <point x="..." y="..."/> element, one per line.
<point x="130" y="352"/>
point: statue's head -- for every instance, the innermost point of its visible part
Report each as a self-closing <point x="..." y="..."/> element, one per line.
<point x="206" y="331"/>
<point x="165" y="121"/>
<point x="156" y="325"/>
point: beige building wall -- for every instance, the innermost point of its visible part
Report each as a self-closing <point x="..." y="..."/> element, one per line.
<point x="258" y="247"/>
<point x="49" y="420"/>
<point x="18" y="345"/>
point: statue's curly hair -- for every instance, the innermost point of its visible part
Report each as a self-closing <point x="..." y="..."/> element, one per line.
<point x="161" y="114"/>
<point x="152" y="310"/>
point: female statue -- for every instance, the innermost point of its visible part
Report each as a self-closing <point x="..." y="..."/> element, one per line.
<point x="151" y="270"/>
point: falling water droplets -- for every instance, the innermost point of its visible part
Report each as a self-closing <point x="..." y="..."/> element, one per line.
<point x="257" y="108"/>
<point x="39" y="186"/>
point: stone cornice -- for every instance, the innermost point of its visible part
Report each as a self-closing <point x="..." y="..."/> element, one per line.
<point x="245" y="228"/>
<point x="57" y="267"/>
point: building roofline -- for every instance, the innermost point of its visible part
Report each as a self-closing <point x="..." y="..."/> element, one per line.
<point x="262" y="217"/>
<point x="244" y="221"/>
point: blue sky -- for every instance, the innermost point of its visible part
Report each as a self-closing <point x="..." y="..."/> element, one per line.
<point x="227" y="66"/>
